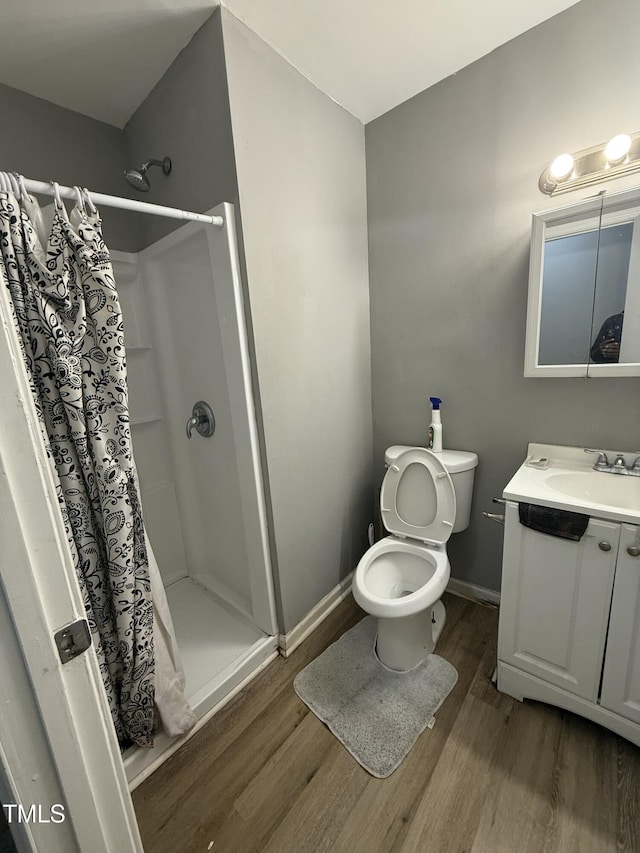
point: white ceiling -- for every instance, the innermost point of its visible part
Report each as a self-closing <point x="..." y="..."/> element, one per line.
<point x="103" y="58"/>
<point x="370" y="55"/>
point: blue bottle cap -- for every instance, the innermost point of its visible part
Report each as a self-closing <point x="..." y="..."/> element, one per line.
<point x="435" y="402"/>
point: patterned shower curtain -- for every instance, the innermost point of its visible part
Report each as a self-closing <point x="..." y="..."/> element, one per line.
<point x="67" y="311"/>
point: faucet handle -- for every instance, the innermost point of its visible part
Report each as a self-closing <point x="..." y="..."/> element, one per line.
<point x="635" y="466"/>
<point x="602" y="462"/>
<point x="620" y="462"/>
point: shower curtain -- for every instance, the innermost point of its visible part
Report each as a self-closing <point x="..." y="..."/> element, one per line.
<point x="67" y="312"/>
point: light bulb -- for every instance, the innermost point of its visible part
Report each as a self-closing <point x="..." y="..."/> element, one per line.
<point x="561" y="167"/>
<point x="617" y="148"/>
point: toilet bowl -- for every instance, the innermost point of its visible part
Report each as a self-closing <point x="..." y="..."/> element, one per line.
<point x="400" y="579"/>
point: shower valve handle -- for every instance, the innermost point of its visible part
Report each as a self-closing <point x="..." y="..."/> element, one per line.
<point x="203" y="419"/>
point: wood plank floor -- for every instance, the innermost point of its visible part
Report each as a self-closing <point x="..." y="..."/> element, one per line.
<point x="493" y="775"/>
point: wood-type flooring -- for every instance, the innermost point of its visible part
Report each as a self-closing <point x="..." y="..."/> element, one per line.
<point x="493" y="776"/>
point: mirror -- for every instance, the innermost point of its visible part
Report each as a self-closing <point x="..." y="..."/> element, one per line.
<point x="583" y="313"/>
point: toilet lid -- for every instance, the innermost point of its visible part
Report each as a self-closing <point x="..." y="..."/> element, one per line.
<point x="418" y="500"/>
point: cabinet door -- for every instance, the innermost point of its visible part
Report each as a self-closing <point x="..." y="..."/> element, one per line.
<point x="555" y="602"/>
<point x="621" y="678"/>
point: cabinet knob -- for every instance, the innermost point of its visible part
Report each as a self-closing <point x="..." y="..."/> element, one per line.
<point x="633" y="551"/>
<point x="604" y="546"/>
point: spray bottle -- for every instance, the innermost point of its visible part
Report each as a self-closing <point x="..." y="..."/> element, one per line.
<point x="435" y="429"/>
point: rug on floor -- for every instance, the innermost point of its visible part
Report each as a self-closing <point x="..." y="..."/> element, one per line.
<point x="376" y="713"/>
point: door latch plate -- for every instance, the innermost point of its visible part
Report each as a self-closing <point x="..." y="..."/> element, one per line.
<point x="73" y="640"/>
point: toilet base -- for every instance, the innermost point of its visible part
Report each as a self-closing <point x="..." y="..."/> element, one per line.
<point x="439" y="617"/>
<point x="404" y="642"/>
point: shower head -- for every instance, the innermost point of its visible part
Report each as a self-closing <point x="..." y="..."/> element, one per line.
<point x="138" y="179"/>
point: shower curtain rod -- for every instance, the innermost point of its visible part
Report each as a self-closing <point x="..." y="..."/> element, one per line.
<point x="44" y="188"/>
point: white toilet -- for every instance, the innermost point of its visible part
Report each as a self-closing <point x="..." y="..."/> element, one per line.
<point x="425" y="498"/>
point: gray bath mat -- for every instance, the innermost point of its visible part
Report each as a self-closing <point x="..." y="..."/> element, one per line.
<point x="376" y="713"/>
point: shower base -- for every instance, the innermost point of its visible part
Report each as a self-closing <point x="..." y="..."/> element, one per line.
<point x="221" y="651"/>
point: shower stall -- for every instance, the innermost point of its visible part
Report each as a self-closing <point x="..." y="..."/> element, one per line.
<point x="202" y="495"/>
<point x="204" y="510"/>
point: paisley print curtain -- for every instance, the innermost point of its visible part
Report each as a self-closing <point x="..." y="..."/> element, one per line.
<point x="69" y="320"/>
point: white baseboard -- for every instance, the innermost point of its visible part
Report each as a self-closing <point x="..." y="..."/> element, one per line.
<point x="464" y="589"/>
<point x="292" y="639"/>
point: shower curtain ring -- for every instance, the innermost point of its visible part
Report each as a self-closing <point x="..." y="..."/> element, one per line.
<point x="92" y="208"/>
<point x="15" y="189"/>
<point x="24" y="195"/>
<point x="80" y="200"/>
<point x="56" y="196"/>
<point x="5" y="183"/>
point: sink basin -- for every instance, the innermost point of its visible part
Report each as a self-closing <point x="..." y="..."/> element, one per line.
<point x="598" y="487"/>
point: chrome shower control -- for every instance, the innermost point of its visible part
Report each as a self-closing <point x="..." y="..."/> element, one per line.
<point x="203" y="419"/>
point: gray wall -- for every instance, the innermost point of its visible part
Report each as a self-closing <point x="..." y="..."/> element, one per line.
<point x="186" y="116"/>
<point x="301" y="176"/>
<point x="47" y="142"/>
<point x="452" y="181"/>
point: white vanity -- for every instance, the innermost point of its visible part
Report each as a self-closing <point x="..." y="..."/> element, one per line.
<point x="570" y="610"/>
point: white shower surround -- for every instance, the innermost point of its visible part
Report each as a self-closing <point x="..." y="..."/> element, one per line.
<point x="203" y="499"/>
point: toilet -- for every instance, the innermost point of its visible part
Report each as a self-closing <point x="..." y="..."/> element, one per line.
<point x="425" y="497"/>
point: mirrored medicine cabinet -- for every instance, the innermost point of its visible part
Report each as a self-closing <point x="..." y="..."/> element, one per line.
<point x="583" y="311"/>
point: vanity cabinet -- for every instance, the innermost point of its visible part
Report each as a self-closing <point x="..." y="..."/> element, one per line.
<point x="569" y="628"/>
<point x="555" y="599"/>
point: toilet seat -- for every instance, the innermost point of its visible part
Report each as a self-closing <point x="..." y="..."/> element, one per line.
<point x="379" y="595"/>
<point x="438" y="498"/>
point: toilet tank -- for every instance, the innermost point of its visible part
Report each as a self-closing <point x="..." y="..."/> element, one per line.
<point x="461" y="465"/>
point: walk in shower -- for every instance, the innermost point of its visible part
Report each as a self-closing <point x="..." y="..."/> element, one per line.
<point x="202" y="496"/>
<point x="180" y="305"/>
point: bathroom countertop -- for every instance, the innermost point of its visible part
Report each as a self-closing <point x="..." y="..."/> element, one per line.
<point x="569" y="482"/>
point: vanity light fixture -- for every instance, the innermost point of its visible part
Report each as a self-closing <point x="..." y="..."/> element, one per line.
<point x="620" y="156"/>
<point x="617" y="148"/>
<point x="561" y="167"/>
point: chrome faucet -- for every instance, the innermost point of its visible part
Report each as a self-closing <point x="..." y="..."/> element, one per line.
<point x="602" y="462"/>
<point x="618" y="467"/>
